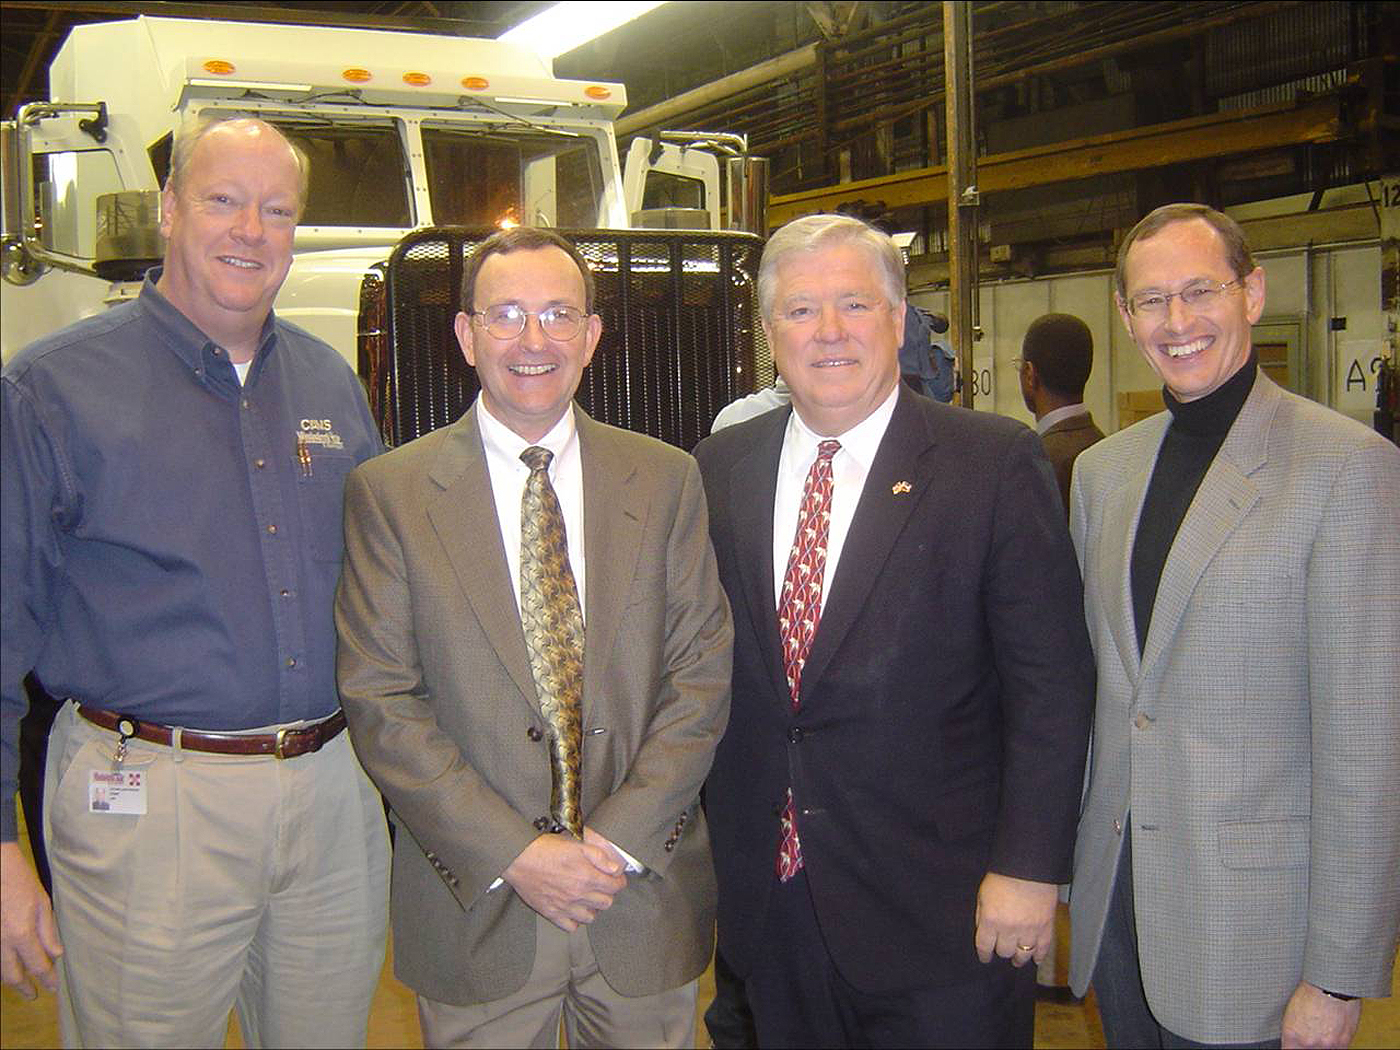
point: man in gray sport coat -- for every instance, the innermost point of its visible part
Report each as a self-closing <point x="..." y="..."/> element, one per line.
<point x="1237" y="874"/>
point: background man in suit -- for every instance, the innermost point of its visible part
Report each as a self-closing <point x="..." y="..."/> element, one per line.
<point x="520" y="892"/>
<point x="895" y="796"/>
<point x="1235" y="878"/>
<point x="1057" y="355"/>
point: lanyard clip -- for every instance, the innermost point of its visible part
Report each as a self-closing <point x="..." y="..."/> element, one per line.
<point x="127" y="728"/>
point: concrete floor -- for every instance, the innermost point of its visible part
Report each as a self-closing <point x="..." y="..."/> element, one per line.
<point x="394" y="1018"/>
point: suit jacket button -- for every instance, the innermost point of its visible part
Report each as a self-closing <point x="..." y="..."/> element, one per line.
<point x="670" y="846"/>
<point x="1143" y="720"/>
<point x="541" y="823"/>
<point x="430" y="855"/>
<point x="795" y="735"/>
<point x="1118" y="827"/>
<point x="534" y="734"/>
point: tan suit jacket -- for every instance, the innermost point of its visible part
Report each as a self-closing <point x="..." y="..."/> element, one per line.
<point x="1254" y="742"/>
<point x="435" y="679"/>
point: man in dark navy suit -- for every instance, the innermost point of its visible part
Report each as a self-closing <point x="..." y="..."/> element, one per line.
<point x="895" y="798"/>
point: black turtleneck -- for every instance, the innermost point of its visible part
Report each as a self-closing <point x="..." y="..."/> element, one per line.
<point x="1197" y="431"/>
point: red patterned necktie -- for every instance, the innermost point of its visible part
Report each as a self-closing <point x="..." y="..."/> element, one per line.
<point x="799" y="612"/>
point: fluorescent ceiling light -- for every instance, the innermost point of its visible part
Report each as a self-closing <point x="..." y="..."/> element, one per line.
<point x="560" y="29"/>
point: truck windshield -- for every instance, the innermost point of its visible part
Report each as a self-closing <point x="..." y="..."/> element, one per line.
<point x="491" y="176"/>
<point x="358" y="174"/>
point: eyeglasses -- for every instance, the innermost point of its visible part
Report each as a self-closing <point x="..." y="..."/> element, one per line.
<point x="507" y="321"/>
<point x="1195" y="297"/>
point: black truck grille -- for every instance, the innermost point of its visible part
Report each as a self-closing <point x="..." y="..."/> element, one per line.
<point x="681" y="334"/>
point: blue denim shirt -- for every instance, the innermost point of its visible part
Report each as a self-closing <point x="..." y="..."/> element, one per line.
<point x="171" y="539"/>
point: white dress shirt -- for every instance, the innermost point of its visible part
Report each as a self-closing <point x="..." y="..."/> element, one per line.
<point x="509" y="473"/>
<point x="849" y="469"/>
<point x="1054" y="416"/>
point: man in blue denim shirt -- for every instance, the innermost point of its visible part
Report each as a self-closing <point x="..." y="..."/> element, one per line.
<point x="172" y="492"/>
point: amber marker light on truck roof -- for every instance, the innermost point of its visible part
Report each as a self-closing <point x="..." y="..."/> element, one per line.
<point x="356" y="75"/>
<point x="475" y="83"/>
<point x="417" y="79"/>
<point x="560" y="29"/>
<point x="597" y="91"/>
<point x="218" y="66"/>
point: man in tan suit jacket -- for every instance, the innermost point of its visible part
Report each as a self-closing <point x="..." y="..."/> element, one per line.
<point x="502" y="920"/>
<point x="1235" y="877"/>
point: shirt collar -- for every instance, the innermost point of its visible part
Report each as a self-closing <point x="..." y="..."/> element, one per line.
<point x="1057" y="415"/>
<point x="185" y="337"/>
<point x="861" y="442"/>
<point x="1215" y="413"/>
<point x="500" y="441"/>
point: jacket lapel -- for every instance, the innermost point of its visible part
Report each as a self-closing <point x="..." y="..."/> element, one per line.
<point x="1118" y="532"/>
<point x="753" y="485"/>
<point x="1224" y="499"/>
<point x="880" y="517"/>
<point x="462" y="510"/>
<point x="614" y="512"/>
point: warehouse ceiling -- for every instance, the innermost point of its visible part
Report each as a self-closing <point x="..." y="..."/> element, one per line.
<point x="34" y="29"/>
<point x="1088" y="113"/>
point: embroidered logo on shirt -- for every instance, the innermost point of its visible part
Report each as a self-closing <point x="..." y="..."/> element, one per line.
<point x="319" y="432"/>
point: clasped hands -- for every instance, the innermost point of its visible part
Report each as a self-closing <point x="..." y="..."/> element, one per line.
<point x="566" y="880"/>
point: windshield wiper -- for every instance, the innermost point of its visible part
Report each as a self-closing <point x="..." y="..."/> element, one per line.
<point x="466" y="102"/>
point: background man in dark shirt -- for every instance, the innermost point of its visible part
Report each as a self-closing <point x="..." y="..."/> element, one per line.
<point x="1234" y="880"/>
<point x="1057" y="355"/>
<point x="172" y="485"/>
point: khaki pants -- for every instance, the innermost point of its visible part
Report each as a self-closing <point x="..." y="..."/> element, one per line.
<point x="564" y="983"/>
<point x="250" y="882"/>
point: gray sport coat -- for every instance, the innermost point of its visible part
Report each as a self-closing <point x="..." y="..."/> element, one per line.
<point x="1255" y="746"/>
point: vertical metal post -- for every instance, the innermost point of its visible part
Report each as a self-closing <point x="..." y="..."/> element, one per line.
<point x="962" y="186"/>
<point x="1387" y="421"/>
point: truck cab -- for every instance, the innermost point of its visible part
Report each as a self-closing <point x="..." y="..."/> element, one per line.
<point x="404" y="132"/>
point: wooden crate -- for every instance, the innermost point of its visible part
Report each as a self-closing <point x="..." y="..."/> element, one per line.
<point x="1136" y="405"/>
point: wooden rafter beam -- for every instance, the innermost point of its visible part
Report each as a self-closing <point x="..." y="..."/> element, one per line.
<point x="1179" y="141"/>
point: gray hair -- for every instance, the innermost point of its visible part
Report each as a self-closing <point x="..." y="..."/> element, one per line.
<point x="813" y="232"/>
<point x="195" y="128"/>
<point x="1237" y="251"/>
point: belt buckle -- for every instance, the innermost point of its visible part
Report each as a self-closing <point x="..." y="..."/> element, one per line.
<point x="281" y="740"/>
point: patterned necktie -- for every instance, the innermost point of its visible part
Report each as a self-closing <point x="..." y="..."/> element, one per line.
<point x="799" y="612"/>
<point x="553" y="623"/>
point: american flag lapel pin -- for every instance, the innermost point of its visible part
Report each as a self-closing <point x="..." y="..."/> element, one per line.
<point x="899" y="488"/>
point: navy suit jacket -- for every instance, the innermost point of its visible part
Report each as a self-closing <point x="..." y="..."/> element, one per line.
<point x="945" y="702"/>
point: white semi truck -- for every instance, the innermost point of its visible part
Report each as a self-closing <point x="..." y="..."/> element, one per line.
<point x="405" y="132"/>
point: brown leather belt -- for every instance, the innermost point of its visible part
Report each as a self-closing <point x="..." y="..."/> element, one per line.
<point x="285" y="743"/>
